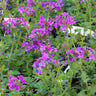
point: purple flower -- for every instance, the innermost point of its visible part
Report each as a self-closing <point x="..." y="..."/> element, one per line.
<point x="53" y="4"/>
<point x="81" y="53"/>
<point x="49" y="48"/>
<point x="20" y="77"/>
<point x="32" y="4"/>
<point x="42" y="48"/>
<point x="8" y="6"/>
<point x="39" y="72"/>
<point x="15" y="83"/>
<point x="92" y="57"/>
<point x="54" y="49"/>
<point x="12" y="23"/>
<point x="28" y="1"/>
<point x="50" y="43"/>
<point x="24" y="43"/>
<point x="81" y="1"/>
<point x="28" y="48"/>
<point x="59" y="1"/>
<point x="41" y="62"/>
<point x="39" y="32"/>
<point x="65" y="14"/>
<point x="1" y="8"/>
<point x="54" y="61"/>
<point x="28" y="10"/>
<point x="64" y="63"/>
<point x="42" y="21"/>
<point x="70" y="59"/>
<point x="51" y="21"/>
<point x="94" y="35"/>
<point x="70" y="51"/>
<point x="7" y="31"/>
<point x="86" y="59"/>
<point x="1" y="53"/>
<point x="52" y="54"/>
<point x="63" y="28"/>
<point x="20" y="9"/>
<point x="3" y="27"/>
<point x="63" y="21"/>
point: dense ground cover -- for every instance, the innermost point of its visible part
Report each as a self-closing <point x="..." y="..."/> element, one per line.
<point x="37" y="50"/>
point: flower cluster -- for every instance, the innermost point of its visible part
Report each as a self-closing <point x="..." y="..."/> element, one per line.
<point x="38" y="32"/>
<point x="15" y="83"/>
<point x="41" y="62"/>
<point x="46" y="23"/>
<point x="53" y="4"/>
<point x="47" y="50"/>
<point x="85" y="53"/>
<point x="47" y="57"/>
<point x="28" y="9"/>
<point x="34" y="45"/>
<point x="63" y="21"/>
<point x="12" y="23"/>
<point x="38" y="43"/>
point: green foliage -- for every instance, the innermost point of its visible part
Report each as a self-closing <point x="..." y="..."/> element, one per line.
<point x="80" y="80"/>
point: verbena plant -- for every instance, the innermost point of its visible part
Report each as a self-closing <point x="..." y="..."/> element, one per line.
<point x="36" y="48"/>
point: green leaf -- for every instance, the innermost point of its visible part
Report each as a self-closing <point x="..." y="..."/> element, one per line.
<point x="82" y="93"/>
<point x="16" y="72"/>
